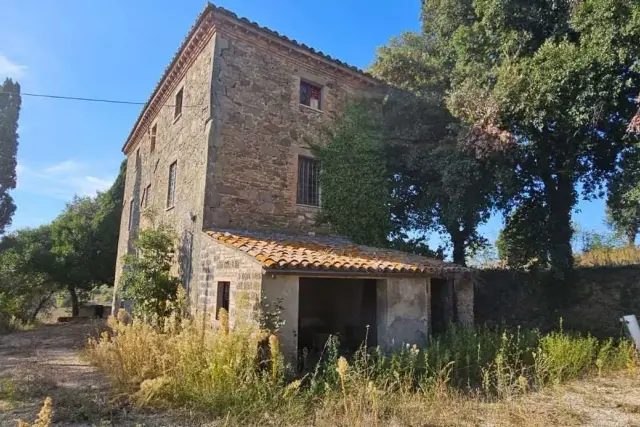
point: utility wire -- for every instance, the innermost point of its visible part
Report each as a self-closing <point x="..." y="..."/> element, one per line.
<point x="75" y="98"/>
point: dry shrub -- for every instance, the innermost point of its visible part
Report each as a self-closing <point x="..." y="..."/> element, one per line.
<point x="221" y="371"/>
<point x="605" y="257"/>
<point x="44" y="416"/>
<point x="188" y="363"/>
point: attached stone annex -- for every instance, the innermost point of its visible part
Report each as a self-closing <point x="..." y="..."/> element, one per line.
<point x="221" y="153"/>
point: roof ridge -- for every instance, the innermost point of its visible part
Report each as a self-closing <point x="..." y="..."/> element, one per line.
<point x="212" y="8"/>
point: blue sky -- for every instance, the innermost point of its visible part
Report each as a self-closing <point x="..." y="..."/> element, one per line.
<point x="118" y="49"/>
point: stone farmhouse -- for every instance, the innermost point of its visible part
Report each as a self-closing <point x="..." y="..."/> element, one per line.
<point x="221" y="153"/>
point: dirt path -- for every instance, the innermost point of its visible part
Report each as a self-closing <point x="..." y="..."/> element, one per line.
<point x="46" y="362"/>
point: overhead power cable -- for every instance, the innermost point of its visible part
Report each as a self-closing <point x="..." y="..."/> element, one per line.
<point x="76" y="98"/>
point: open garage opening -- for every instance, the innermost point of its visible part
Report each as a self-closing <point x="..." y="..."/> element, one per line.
<point x="345" y="308"/>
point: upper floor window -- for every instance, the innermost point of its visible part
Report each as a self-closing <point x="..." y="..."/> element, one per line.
<point x="145" y="196"/>
<point x="308" y="181"/>
<point x="178" y="106"/>
<point x="171" y="191"/>
<point x="137" y="158"/>
<point x="310" y="95"/>
<point x="131" y="205"/>
<point x="154" y="133"/>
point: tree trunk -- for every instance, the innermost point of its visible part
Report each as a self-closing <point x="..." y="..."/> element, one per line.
<point x="75" y="305"/>
<point x="458" y="249"/>
<point x="631" y="238"/>
<point x="561" y="200"/>
<point x="39" y="307"/>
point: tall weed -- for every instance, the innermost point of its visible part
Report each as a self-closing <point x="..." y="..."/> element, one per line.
<point x="239" y="372"/>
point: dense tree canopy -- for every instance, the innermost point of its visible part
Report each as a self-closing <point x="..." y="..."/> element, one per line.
<point x="623" y="202"/>
<point x="76" y="252"/>
<point x="28" y="273"/>
<point x="560" y="78"/>
<point x="10" y="102"/>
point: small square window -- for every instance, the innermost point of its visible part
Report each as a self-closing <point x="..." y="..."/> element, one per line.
<point x="223" y="296"/>
<point x="308" y="181"/>
<point x="178" y="106"/>
<point x="310" y="95"/>
<point x="171" y="190"/>
<point x="154" y="132"/>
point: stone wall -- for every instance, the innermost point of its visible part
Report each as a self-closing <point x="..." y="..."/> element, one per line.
<point x="464" y="295"/>
<point x="259" y="129"/>
<point x="598" y="298"/>
<point x="182" y="140"/>
<point x="286" y="289"/>
<point x="402" y="312"/>
<point x="219" y="263"/>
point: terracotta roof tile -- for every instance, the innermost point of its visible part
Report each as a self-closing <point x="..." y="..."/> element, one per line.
<point x="278" y="251"/>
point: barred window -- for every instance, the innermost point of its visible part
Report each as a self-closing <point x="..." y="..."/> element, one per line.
<point x="308" y="181"/>
<point x="310" y="95"/>
<point x="171" y="191"/>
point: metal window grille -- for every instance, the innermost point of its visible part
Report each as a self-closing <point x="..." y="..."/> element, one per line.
<point x="310" y="95"/>
<point x="308" y="181"/>
<point x="171" y="192"/>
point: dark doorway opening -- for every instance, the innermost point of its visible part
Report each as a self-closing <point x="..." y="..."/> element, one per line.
<point x="441" y="305"/>
<point x="345" y="308"/>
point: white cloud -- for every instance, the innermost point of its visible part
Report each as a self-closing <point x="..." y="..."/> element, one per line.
<point x="12" y="69"/>
<point x="61" y="180"/>
<point x="64" y="167"/>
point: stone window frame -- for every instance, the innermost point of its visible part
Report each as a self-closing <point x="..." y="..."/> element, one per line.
<point x="177" y="112"/>
<point x="146" y="192"/>
<point x="171" y="191"/>
<point x="131" y="207"/>
<point x="296" y="152"/>
<point x="316" y="164"/>
<point x="138" y="159"/>
<point x="311" y="86"/>
<point x="315" y="80"/>
<point x="220" y="288"/>
<point x="153" y="137"/>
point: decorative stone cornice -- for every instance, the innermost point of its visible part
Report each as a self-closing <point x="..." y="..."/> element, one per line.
<point x="213" y="19"/>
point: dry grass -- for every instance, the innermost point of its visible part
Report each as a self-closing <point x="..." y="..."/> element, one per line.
<point x="605" y="257"/>
<point x="43" y="362"/>
<point x="467" y="376"/>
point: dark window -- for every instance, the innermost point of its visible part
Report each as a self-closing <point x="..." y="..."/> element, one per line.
<point x="131" y="214"/>
<point x="145" y="196"/>
<point x="171" y="191"/>
<point x="178" y="107"/>
<point x="224" y="289"/>
<point x="308" y="181"/>
<point x="154" y="131"/>
<point x="310" y="95"/>
<point x="137" y="158"/>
